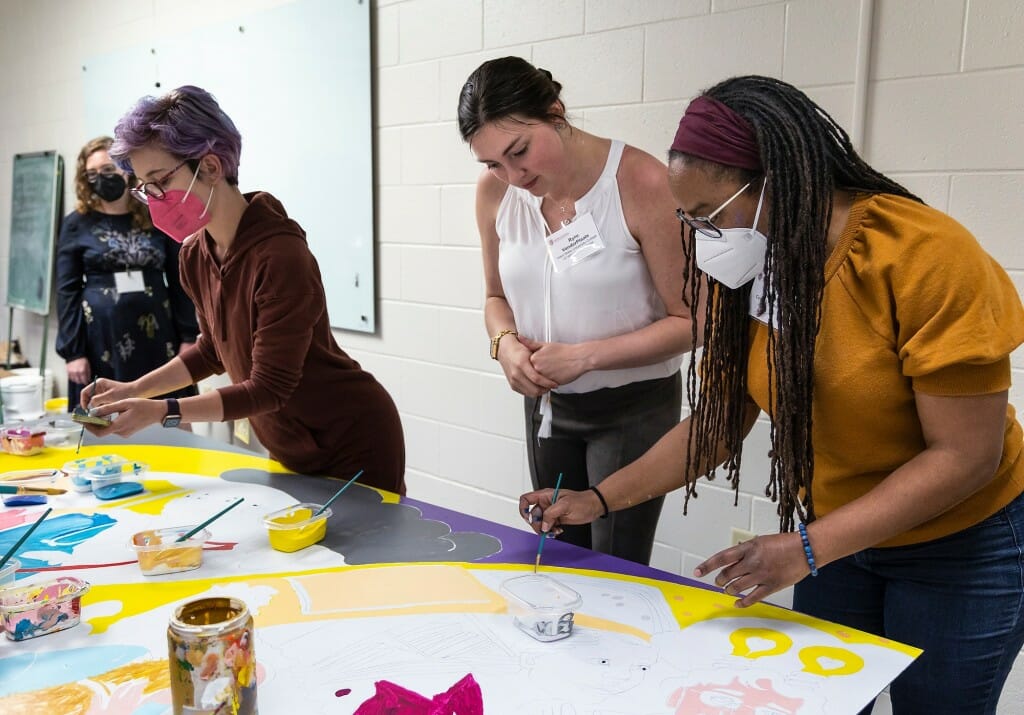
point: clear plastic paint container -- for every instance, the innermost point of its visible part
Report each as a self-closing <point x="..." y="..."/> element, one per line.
<point x="541" y="606"/>
<point x="120" y="468"/>
<point x="61" y="432"/>
<point x="159" y="554"/>
<point x="83" y="471"/>
<point x="48" y="607"/>
<point x="22" y="441"/>
<point x="103" y="480"/>
<point x="295" y="527"/>
<point x="8" y="571"/>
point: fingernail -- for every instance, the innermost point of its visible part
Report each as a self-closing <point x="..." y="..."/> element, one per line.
<point x="545" y="527"/>
<point x="698" y="573"/>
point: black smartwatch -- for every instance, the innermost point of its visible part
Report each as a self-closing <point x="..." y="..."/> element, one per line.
<point x="173" y="416"/>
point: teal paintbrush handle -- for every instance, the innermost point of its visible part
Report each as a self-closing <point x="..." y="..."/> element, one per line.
<point x="544" y="534"/>
<point x="14" y="549"/>
<point x="209" y="521"/>
<point x="338" y="493"/>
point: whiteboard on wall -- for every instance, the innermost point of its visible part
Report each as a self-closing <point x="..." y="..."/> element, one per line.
<point x="296" y="82"/>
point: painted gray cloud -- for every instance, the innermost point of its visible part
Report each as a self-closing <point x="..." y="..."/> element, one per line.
<point x="366" y="530"/>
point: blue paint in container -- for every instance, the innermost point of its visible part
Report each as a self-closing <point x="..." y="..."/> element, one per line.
<point x="118" y="490"/>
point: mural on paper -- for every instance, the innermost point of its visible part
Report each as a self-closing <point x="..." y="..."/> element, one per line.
<point x="331" y="636"/>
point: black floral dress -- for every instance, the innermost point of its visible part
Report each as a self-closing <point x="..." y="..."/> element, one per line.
<point x="124" y="334"/>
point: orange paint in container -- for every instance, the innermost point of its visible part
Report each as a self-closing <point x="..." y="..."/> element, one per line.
<point x="159" y="553"/>
<point x="22" y="441"/>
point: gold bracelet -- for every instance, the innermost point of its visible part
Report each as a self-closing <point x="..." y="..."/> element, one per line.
<point x="496" y="341"/>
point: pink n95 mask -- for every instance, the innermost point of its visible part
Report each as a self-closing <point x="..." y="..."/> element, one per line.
<point x="179" y="213"/>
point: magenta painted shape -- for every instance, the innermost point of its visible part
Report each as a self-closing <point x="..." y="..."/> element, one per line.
<point x="463" y="698"/>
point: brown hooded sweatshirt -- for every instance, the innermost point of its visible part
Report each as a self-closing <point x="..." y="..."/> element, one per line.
<point x="263" y="319"/>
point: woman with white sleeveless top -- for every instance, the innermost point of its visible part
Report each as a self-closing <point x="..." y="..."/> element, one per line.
<point x="584" y="281"/>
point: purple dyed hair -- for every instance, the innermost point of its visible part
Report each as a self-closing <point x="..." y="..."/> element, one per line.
<point x="187" y="122"/>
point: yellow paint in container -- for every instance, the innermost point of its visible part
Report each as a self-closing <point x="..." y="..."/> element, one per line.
<point x="295" y="527"/>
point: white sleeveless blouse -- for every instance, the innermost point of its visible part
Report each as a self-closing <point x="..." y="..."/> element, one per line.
<point x="609" y="293"/>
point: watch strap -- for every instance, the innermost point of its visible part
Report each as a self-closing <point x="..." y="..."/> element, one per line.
<point x="173" y="416"/>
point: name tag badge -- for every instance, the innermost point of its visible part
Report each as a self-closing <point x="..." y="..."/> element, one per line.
<point x="757" y="290"/>
<point x="129" y="282"/>
<point x="571" y="244"/>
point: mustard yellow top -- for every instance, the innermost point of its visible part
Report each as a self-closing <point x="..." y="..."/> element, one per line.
<point x="912" y="303"/>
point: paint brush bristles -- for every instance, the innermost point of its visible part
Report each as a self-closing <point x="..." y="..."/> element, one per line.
<point x="14" y="549"/>
<point x="338" y="493"/>
<point x="544" y="534"/>
<point x="209" y="521"/>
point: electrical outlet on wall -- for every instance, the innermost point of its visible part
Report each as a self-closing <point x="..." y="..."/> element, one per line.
<point x="739" y="535"/>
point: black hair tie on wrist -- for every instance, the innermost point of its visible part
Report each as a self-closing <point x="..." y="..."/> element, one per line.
<point x="603" y="502"/>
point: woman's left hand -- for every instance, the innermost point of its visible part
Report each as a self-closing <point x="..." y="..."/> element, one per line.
<point x="132" y="415"/>
<point x="760" y="567"/>
<point x="561" y="362"/>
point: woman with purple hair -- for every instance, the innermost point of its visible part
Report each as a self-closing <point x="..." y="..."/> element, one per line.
<point x="261" y="306"/>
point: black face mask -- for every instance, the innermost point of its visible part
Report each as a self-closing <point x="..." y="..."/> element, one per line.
<point x="109" y="187"/>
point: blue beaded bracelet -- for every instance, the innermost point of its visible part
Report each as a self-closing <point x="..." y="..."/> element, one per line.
<point x="807" y="550"/>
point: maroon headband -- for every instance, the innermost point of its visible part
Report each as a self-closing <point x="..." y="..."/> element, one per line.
<point x="712" y="131"/>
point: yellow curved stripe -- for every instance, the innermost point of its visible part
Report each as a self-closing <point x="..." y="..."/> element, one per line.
<point x="691" y="605"/>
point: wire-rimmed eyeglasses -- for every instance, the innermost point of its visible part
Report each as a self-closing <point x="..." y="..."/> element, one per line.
<point x="705" y="224"/>
<point x="154" y="189"/>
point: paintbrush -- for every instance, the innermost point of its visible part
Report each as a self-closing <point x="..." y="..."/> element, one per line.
<point x="544" y="534"/>
<point x="24" y="489"/>
<point x="337" y="494"/>
<point x="14" y="549"/>
<point x="24" y="475"/>
<point x="81" y="434"/>
<point x="209" y="521"/>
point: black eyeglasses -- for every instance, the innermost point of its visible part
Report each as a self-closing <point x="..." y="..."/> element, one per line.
<point x="106" y="170"/>
<point x="154" y="189"/>
<point x="705" y="224"/>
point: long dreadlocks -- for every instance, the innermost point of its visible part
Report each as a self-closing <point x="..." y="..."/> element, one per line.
<point x="806" y="156"/>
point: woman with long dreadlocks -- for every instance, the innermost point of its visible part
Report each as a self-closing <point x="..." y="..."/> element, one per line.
<point x="876" y="334"/>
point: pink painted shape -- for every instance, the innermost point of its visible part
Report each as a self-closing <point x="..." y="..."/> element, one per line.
<point x="463" y="698"/>
<point x="10" y="518"/>
<point x="735" y="698"/>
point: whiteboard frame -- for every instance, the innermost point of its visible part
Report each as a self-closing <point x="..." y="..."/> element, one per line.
<point x="297" y="82"/>
<point x="56" y="194"/>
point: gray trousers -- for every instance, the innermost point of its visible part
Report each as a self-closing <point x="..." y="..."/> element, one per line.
<point x="594" y="434"/>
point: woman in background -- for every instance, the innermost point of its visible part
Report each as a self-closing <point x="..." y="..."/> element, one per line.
<point x="591" y="330"/>
<point x="120" y="304"/>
